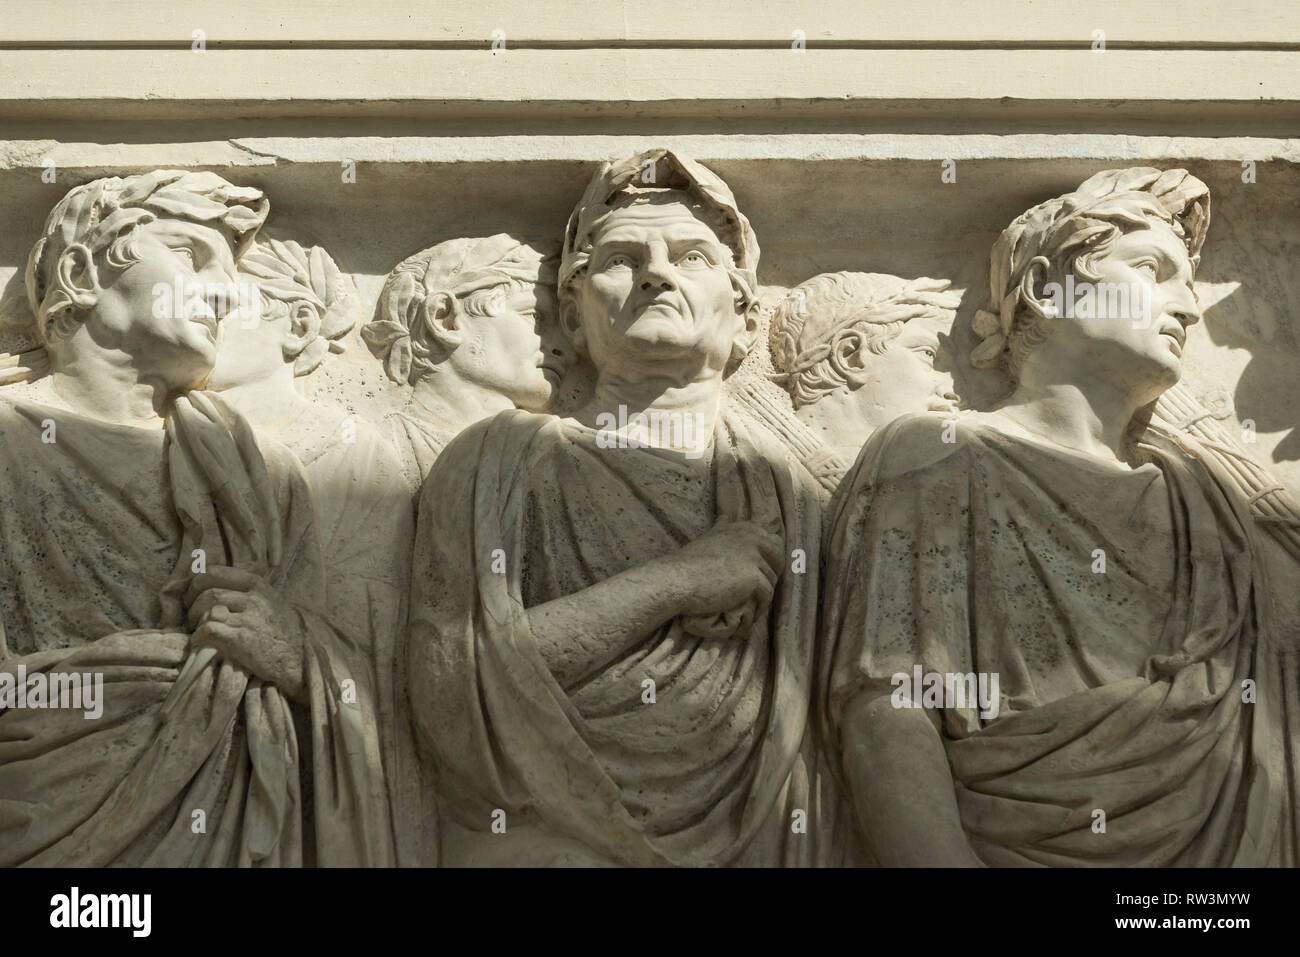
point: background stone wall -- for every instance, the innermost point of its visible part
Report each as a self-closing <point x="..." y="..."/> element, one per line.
<point x="831" y="121"/>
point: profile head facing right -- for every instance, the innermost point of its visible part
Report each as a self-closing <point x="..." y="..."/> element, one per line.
<point x="480" y="311"/>
<point x="1098" y="284"/>
<point x="142" y="267"/>
<point x="304" y="310"/>
<point x="870" y="343"/>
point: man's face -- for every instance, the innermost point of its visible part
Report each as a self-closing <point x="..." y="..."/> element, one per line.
<point x="1138" y="344"/>
<point x="908" y="376"/>
<point x="519" y="352"/>
<point x="657" y="288"/>
<point x="133" y="314"/>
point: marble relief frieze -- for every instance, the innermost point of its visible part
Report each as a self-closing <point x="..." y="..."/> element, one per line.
<point x="588" y="546"/>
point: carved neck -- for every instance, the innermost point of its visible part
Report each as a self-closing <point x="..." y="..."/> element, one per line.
<point x="674" y="403"/>
<point x="1091" y="415"/>
<point x="453" y="402"/>
<point x="106" y="386"/>
<point x="838" y="421"/>
<point x="267" y="402"/>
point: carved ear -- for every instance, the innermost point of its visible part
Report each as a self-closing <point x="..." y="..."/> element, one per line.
<point x="571" y="324"/>
<point x="439" y="320"/>
<point x="76" y="276"/>
<point x="746" y="336"/>
<point x="850" y="360"/>
<point x="302" y="342"/>
<point x="1032" y="294"/>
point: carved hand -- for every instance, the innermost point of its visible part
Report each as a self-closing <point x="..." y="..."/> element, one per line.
<point x="245" y="620"/>
<point x="735" y="566"/>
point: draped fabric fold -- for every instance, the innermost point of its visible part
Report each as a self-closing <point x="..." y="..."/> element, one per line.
<point x="524" y="509"/>
<point x="1124" y="685"/>
<point x="204" y="772"/>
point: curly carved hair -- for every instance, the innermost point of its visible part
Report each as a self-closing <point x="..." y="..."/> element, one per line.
<point x="293" y="279"/>
<point x="1072" y="232"/>
<point x="824" y="320"/>
<point x="480" y="274"/>
<point x="102" y="215"/>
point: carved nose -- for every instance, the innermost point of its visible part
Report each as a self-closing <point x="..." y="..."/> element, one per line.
<point x="223" y="299"/>
<point x="555" y="344"/>
<point x="1188" y="316"/>
<point x="657" y="272"/>
<point x="661" y="281"/>
<point x="1186" y="309"/>
<point x="561" y="351"/>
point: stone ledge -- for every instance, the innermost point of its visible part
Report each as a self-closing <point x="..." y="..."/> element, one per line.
<point x="291" y="80"/>
<point x="830" y="22"/>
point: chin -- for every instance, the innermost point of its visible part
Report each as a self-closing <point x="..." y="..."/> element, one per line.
<point x="539" y="401"/>
<point x="1172" y="372"/>
<point x="666" y="345"/>
<point x="196" y="369"/>
<point x="1159" y="370"/>
<point x="1158" y="386"/>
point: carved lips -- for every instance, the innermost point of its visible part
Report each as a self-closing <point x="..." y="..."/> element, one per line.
<point x="552" y="367"/>
<point x="1177" y="335"/>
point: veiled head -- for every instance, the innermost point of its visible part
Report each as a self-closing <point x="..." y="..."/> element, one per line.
<point x="658" y="267"/>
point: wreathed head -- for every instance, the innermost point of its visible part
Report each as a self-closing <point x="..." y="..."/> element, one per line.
<point x="1124" y="246"/>
<point x="103" y="228"/>
<point x="483" y="307"/>
<point x="305" y="306"/>
<point x="829" y="332"/>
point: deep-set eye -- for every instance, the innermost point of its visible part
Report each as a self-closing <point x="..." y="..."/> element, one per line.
<point x="694" y="257"/>
<point x="185" y="253"/>
<point x="1147" y="266"/>
<point x="618" y="261"/>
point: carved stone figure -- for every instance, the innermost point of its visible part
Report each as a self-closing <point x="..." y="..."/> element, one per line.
<point x="305" y="308"/>
<point x="148" y="542"/>
<point x="1049" y="632"/>
<point x="855" y="351"/>
<point x="469" y="325"/>
<point x="761" y="596"/>
<point x="610" y="652"/>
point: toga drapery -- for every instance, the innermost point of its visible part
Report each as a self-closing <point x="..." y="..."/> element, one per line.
<point x="100" y="528"/>
<point x="366" y="517"/>
<point x="1123" y="610"/>
<point x="522" y="509"/>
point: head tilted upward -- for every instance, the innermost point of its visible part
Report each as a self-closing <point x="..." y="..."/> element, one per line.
<point x="1123" y="248"/>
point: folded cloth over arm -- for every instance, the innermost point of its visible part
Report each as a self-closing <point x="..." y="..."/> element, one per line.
<point x="218" y="779"/>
